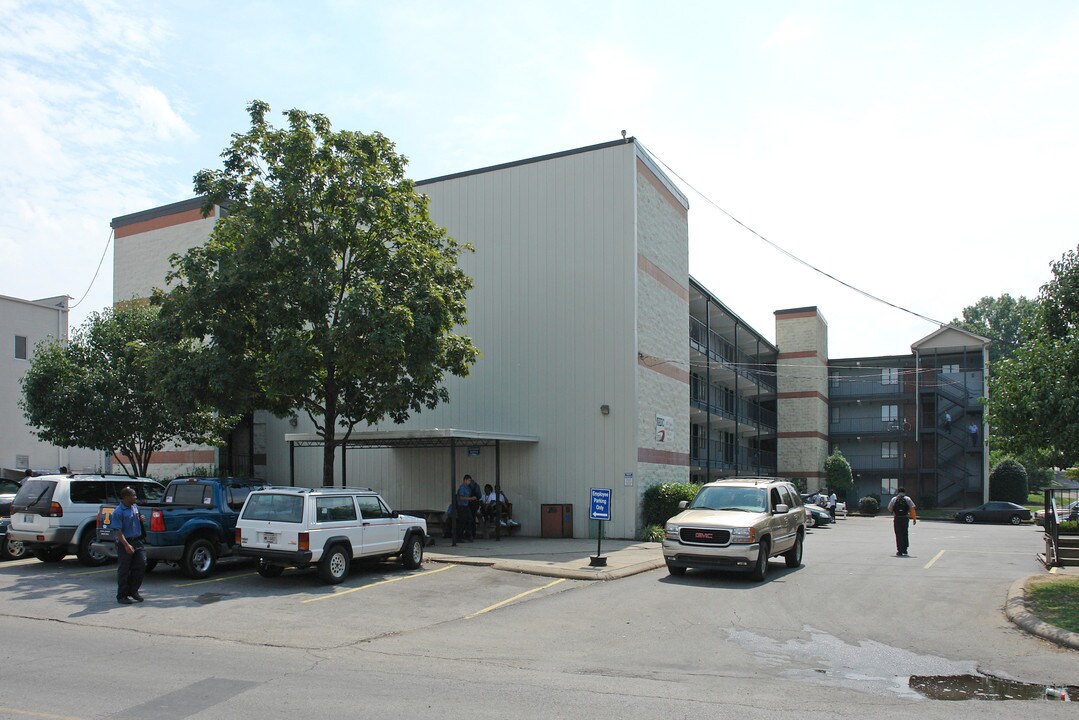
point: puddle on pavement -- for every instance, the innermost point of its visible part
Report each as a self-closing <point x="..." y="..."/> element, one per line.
<point x="874" y="667"/>
<point x="207" y="598"/>
<point x="984" y="687"/>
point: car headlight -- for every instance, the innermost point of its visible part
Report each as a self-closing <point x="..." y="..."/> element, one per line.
<point x="743" y="535"/>
<point x="670" y="531"/>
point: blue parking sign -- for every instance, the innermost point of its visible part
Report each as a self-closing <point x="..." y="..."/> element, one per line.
<point x="600" y="505"/>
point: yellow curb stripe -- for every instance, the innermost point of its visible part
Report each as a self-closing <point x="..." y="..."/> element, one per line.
<point x="376" y="584"/>
<point x="515" y="597"/>
<point x="935" y="558"/>
<point x="214" y="580"/>
<point x="95" y="572"/>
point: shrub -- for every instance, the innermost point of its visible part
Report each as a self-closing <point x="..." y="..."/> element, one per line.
<point x="869" y="505"/>
<point x="652" y="533"/>
<point x="837" y="470"/>
<point x="1008" y="482"/>
<point x="660" y="501"/>
<point x="1069" y="527"/>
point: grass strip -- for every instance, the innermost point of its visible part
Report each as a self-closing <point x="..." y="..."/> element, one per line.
<point x="1057" y="603"/>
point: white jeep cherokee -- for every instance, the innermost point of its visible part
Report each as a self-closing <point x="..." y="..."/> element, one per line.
<point x="327" y="527"/>
<point x="737" y="525"/>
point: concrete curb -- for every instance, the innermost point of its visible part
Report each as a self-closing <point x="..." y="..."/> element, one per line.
<point x="534" y="568"/>
<point x="1018" y="611"/>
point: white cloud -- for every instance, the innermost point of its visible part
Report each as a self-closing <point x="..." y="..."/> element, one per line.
<point x="793" y="31"/>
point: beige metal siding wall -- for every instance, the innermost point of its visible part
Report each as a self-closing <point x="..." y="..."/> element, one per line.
<point x="662" y="334"/>
<point x="552" y="311"/>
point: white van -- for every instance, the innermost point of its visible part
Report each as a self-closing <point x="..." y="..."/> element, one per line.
<point x="328" y="527"/>
<point x="54" y="515"/>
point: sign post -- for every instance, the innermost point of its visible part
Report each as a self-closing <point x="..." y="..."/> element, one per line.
<point x="599" y="508"/>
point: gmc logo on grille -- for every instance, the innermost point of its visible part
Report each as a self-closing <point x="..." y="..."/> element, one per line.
<point x="702" y="536"/>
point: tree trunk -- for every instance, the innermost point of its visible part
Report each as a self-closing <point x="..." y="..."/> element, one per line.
<point x="327" y="460"/>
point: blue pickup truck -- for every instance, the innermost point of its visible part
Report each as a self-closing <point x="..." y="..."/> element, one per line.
<point x="192" y="526"/>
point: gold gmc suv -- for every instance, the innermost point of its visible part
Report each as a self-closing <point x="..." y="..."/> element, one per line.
<point x="737" y="525"/>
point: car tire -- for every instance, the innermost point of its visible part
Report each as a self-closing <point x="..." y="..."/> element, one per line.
<point x="676" y="570"/>
<point x="412" y="556"/>
<point x="968" y="518"/>
<point x="199" y="559"/>
<point x="51" y="555"/>
<point x="793" y="557"/>
<point x="811" y="522"/>
<point x="13" y="549"/>
<point x="1015" y="520"/>
<point x="333" y="567"/>
<point x="760" y="570"/>
<point x="86" y="554"/>
<point x="268" y="571"/>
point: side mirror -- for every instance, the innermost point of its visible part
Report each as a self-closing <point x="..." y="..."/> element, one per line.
<point x="394" y="513"/>
<point x="682" y="504"/>
<point x="782" y="509"/>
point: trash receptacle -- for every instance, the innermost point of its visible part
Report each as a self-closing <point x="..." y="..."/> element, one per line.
<point x="556" y="520"/>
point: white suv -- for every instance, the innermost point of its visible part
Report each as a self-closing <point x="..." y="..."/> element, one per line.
<point x="327" y="527"/>
<point x="54" y="515"/>
<point x="737" y="525"/>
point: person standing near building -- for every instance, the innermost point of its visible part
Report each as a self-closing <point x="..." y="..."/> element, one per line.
<point x="130" y="553"/>
<point x="973" y="429"/>
<point x="903" y="512"/>
<point x="832" y="500"/>
<point x="466" y="521"/>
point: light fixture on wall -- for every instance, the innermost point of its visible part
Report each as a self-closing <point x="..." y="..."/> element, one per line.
<point x="605" y="409"/>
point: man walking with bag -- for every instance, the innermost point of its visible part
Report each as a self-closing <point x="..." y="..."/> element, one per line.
<point x="903" y="512"/>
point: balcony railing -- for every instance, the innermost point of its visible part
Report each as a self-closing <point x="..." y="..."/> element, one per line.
<point x="717" y="454"/>
<point x="712" y="399"/>
<point x="715" y="347"/>
<point x="871" y="426"/>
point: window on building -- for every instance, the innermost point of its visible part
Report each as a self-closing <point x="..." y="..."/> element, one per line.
<point x="888" y="486"/>
<point x="889" y="414"/>
<point x="834" y="379"/>
<point x="20" y="347"/>
<point x="889" y="376"/>
<point x="950" y="369"/>
<point x="889" y="449"/>
<point x="835" y="416"/>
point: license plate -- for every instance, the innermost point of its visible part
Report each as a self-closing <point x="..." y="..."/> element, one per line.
<point x="28" y="518"/>
<point x="269" y="537"/>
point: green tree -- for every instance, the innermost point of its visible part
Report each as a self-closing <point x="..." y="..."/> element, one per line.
<point x="1034" y="393"/>
<point x="837" y="471"/>
<point x="104" y="390"/>
<point x="1008" y="482"/>
<point x="325" y="288"/>
<point x="1001" y="319"/>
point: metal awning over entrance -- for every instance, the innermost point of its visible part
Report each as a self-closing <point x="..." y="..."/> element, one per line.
<point x="451" y="438"/>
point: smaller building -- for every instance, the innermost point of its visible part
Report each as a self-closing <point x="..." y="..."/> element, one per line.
<point x="23" y="325"/>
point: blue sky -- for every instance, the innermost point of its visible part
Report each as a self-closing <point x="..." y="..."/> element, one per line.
<point x="926" y="152"/>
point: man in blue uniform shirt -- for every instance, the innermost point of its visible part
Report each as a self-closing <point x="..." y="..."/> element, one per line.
<point x="130" y="553"/>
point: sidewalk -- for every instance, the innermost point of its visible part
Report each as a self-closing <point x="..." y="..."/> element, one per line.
<point x="552" y="557"/>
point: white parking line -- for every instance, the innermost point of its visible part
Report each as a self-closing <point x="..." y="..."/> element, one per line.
<point x="515" y="597"/>
<point x="935" y="558"/>
<point x="216" y="579"/>
<point x="374" y="584"/>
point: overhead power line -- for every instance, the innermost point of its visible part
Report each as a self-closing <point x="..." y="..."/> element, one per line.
<point x="94" y="278"/>
<point x="789" y="254"/>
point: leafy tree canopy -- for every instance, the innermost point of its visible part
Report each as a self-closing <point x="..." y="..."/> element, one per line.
<point x="1008" y="482"/>
<point x="326" y="287"/>
<point x="1034" y="393"/>
<point x="104" y="390"/>
<point x="837" y="470"/>
<point x="1002" y="320"/>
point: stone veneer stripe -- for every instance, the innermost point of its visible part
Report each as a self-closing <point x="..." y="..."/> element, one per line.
<point x="801" y="394"/>
<point x="662" y="457"/>
<point x="803" y="434"/>
<point x="802" y="354"/>
<point x="666" y="280"/>
<point x="807" y="473"/>
<point x="662" y="367"/>
<point x="161" y="222"/>
<point x="658" y="185"/>
<point x="183" y="456"/>
<point x="795" y="316"/>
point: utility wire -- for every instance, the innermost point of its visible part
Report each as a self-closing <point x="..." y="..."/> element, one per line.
<point x="94" y="278"/>
<point x="791" y="255"/>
